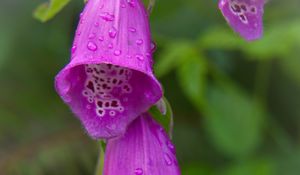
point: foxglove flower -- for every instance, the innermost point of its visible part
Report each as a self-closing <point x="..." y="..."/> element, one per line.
<point x="109" y="80"/>
<point x="244" y="16"/>
<point x="144" y="149"/>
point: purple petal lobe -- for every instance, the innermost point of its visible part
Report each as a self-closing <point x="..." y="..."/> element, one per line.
<point x="244" y="16"/>
<point x="104" y="88"/>
<point x="144" y="149"/>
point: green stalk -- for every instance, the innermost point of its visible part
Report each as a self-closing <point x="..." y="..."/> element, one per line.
<point x="100" y="163"/>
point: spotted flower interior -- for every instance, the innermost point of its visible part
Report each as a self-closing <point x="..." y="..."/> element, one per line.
<point x="105" y="84"/>
<point x="107" y="97"/>
<point x="244" y="16"/>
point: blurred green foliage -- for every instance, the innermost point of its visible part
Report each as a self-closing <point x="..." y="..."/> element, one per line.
<point x="236" y="104"/>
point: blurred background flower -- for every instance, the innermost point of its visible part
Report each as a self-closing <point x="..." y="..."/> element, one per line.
<point x="236" y="104"/>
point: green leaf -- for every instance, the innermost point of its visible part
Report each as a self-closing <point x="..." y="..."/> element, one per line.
<point x="192" y="78"/>
<point x="290" y="66"/>
<point x="164" y="118"/>
<point x="233" y="120"/>
<point x="288" y="164"/>
<point x="197" y="169"/>
<point x="252" y="167"/>
<point x="48" y="10"/>
<point x="172" y="56"/>
<point x="7" y="38"/>
<point x="278" y="41"/>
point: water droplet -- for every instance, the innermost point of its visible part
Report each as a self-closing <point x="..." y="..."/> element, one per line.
<point x="74" y="47"/>
<point x="101" y="38"/>
<point x="139" y="42"/>
<point x="139" y="57"/>
<point x="161" y="129"/>
<point x="148" y="55"/>
<point x="168" y="159"/>
<point x="153" y="47"/>
<point x="96" y="24"/>
<point x="67" y="98"/>
<point x="82" y="21"/>
<point x="131" y="29"/>
<point x="117" y="52"/>
<point x="128" y="56"/>
<point x="131" y="3"/>
<point x="78" y="33"/>
<point x="110" y="46"/>
<point x="112" y="32"/>
<point x="171" y="146"/>
<point x="92" y="36"/>
<point x="92" y="46"/>
<point x="80" y="15"/>
<point x="107" y="16"/>
<point x="138" y="171"/>
<point x="123" y="5"/>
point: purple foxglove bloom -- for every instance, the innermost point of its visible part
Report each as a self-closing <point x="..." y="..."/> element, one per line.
<point x="109" y="80"/>
<point x="145" y="149"/>
<point x="244" y="16"/>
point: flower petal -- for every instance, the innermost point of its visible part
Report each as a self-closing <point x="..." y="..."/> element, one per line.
<point x="244" y="16"/>
<point x="109" y="81"/>
<point x="144" y="149"/>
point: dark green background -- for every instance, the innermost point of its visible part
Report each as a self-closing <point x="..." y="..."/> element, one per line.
<point x="236" y="104"/>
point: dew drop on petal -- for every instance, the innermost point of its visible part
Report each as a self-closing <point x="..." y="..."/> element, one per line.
<point x="74" y="47"/>
<point x="92" y="46"/>
<point x="132" y="29"/>
<point x="117" y="52"/>
<point x="139" y="57"/>
<point x="153" y="46"/>
<point x="123" y="5"/>
<point x="82" y="21"/>
<point x="171" y="147"/>
<point x="148" y="55"/>
<point x="101" y="7"/>
<point x="92" y="36"/>
<point x="110" y="46"/>
<point x="107" y="16"/>
<point x="96" y="24"/>
<point x="112" y="32"/>
<point x="139" y="42"/>
<point x="138" y="171"/>
<point x="131" y="3"/>
<point x="101" y="38"/>
<point x="168" y="159"/>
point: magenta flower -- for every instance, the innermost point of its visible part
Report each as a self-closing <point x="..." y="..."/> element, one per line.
<point x="109" y="80"/>
<point x="244" y="16"/>
<point x="144" y="149"/>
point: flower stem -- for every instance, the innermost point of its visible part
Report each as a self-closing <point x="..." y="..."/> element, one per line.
<point x="100" y="163"/>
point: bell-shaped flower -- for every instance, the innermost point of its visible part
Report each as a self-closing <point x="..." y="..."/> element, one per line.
<point x="143" y="150"/>
<point x="244" y="16"/>
<point x="109" y="80"/>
